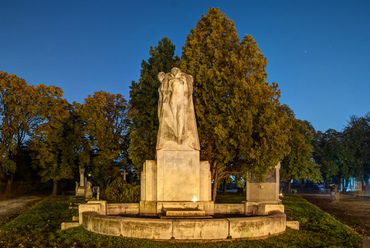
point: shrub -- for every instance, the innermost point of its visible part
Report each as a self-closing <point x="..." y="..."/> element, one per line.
<point x="121" y="191"/>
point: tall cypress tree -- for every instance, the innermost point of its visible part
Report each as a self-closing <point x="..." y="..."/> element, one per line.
<point x="240" y="123"/>
<point x="144" y="102"/>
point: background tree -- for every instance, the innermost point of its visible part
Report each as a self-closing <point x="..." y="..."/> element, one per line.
<point x="18" y="117"/>
<point x="106" y="129"/>
<point x="52" y="142"/>
<point x="240" y="124"/>
<point x="356" y="139"/>
<point x="298" y="164"/>
<point x="144" y="96"/>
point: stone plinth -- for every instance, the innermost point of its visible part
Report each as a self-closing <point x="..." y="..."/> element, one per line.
<point x="178" y="179"/>
<point x="178" y="175"/>
<point x="266" y="191"/>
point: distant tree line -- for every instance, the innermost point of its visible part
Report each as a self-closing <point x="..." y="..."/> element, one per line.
<point x="242" y="126"/>
<point x="346" y="154"/>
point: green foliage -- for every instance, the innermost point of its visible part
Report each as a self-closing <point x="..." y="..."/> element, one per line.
<point x="298" y="164"/>
<point x="144" y="102"/>
<point x="240" y="123"/>
<point x="105" y="131"/>
<point x="18" y="117"/>
<point x="52" y="142"/>
<point x="120" y="191"/>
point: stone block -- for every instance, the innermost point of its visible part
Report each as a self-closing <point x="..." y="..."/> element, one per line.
<point x="123" y="208"/>
<point x="67" y="225"/>
<point x="265" y="209"/>
<point x="99" y="207"/>
<point x="149" y="181"/>
<point x="75" y="218"/>
<point x="178" y="175"/>
<point x="146" y="228"/>
<point x="260" y="226"/>
<point x="200" y="228"/>
<point x="148" y="208"/>
<point x="293" y="224"/>
<point x="250" y="208"/>
<point x="184" y="212"/>
<point x="107" y="225"/>
<point x="229" y="208"/>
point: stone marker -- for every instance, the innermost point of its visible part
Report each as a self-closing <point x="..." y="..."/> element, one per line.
<point x="88" y="191"/>
<point x="80" y="188"/>
<point x="124" y="174"/>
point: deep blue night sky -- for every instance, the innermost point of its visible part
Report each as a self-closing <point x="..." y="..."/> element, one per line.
<point x="317" y="51"/>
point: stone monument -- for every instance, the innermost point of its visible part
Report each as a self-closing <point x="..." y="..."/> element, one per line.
<point x="177" y="179"/>
<point x="80" y="188"/>
<point x="263" y="195"/>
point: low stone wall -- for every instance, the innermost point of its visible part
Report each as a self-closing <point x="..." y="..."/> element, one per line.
<point x="248" y="227"/>
<point x="231" y="208"/>
<point x="123" y="208"/>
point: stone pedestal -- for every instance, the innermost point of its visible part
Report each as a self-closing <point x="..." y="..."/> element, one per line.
<point x="178" y="179"/>
<point x="266" y="191"/>
<point x="263" y="197"/>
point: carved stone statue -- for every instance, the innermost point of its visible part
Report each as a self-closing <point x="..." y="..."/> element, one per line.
<point x="177" y="125"/>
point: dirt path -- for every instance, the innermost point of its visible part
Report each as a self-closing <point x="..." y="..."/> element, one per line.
<point x="11" y="208"/>
<point x="350" y="210"/>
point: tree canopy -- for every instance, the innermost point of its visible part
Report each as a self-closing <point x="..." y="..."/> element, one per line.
<point x="144" y="97"/>
<point x="240" y="124"/>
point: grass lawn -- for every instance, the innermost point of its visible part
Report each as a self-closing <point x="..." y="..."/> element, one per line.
<point x="40" y="227"/>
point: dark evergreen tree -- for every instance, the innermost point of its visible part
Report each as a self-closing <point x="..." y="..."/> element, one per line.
<point x="241" y="126"/>
<point x="144" y="102"/>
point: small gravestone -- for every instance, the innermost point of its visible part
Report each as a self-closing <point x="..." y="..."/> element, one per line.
<point x="124" y="174"/>
<point x="80" y="187"/>
<point x="88" y="191"/>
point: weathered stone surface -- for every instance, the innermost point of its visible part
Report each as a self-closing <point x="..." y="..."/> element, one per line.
<point x="146" y="228"/>
<point x="107" y="225"/>
<point x="99" y="207"/>
<point x="75" y="218"/>
<point x="265" y="209"/>
<point x="123" y="208"/>
<point x="177" y="125"/>
<point x="149" y="181"/>
<point x="293" y="224"/>
<point x="261" y="226"/>
<point x="184" y="212"/>
<point x="229" y="208"/>
<point x="178" y="175"/>
<point x="67" y="225"/>
<point x="148" y="208"/>
<point x="200" y="228"/>
<point x="266" y="191"/>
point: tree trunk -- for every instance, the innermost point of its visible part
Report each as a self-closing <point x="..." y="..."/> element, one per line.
<point x="8" y="190"/>
<point x="55" y="188"/>
<point x="215" y="182"/>
<point x="289" y="185"/>
<point x="224" y="186"/>
<point x="346" y="185"/>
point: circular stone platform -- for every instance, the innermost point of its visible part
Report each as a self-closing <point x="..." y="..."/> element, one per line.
<point x="183" y="229"/>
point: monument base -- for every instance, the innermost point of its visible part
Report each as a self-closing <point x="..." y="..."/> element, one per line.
<point x="154" y="208"/>
<point x="81" y="191"/>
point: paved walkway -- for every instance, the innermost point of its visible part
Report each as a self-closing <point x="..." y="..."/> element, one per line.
<point x="11" y="208"/>
<point x="350" y="210"/>
<point x="15" y="203"/>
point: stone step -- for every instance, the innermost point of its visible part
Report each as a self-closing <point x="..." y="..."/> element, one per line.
<point x="184" y="212"/>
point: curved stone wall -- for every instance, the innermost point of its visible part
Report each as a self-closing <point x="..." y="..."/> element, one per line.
<point x="160" y="229"/>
